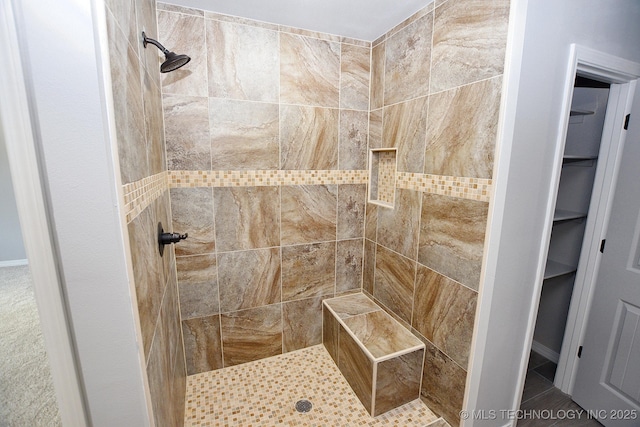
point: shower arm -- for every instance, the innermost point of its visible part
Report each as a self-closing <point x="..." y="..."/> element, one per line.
<point x="157" y="44"/>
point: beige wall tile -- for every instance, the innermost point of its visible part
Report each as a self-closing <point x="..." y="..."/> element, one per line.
<point x="183" y="34"/>
<point x="375" y="129"/>
<point x="243" y="61"/>
<point x="469" y="42"/>
<point x="371" y="221"/>
<point x="461" y="130"/>
<point x="405" y="127"/>
<point x="377" y="76"/>
<point x="309" y="71"/>
<point x="330" y="332"/>
<point x="247" y="218"/>
<point x="348" y="265"/>
<point x="369" y="266"/>
<point x="154" y="125"/>
<point x="351" y="210"/>
<point x="244" y="135"/>
<point x="308" y="270"/>
<point x="187" y="132"/>
<point x="308" y="137"/>
<point x="252" y="334"/>
<point x="394" y="276"/>
<point x="452" y="237"/>
<point x="308" y="213"/>
<point x="354" y="130"/>
<point x="302" y="323"/>
<point x="147" y="273"/>
<point x="128" y="104"/>
<point x="398" y="228"/>
<point x="249" y="279"/>
<point x="146" y="17"/>
<point x="192" y="210"/>
<point x="198" y="284"/>
<point x="443" y="384"/>
<point x="407" y="63"/>
<point x="202" y="344"/>
<point x="444" y="312"/>
<point x="354" y="77"/>
<point x="356" y="368"/>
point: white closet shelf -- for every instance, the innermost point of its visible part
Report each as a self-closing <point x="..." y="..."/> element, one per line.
<point x="577" y="112"/>
<point x="555" y="269"/>
<point x="565" y="215"/>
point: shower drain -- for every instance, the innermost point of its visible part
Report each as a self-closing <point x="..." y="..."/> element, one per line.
<point x="303" y="405"/>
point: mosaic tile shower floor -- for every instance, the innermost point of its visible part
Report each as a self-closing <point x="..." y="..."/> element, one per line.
<point x="264" y="393"/>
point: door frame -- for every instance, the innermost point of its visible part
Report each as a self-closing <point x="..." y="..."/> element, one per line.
<point x="622" y="74"/>
<point x="30" y="194"/>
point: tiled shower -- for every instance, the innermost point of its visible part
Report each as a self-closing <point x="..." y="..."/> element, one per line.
<point x="258" y="148"/>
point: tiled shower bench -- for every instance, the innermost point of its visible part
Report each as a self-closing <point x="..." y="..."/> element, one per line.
<point x="381" y="360"/>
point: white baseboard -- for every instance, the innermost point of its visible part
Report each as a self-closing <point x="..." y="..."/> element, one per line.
<point x="13" y="263"/>
<point x="545" y="351"/>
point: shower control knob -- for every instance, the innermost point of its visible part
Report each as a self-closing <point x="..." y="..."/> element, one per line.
<point x="168" y="238"/>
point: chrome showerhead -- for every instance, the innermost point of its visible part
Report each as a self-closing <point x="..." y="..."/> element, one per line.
<point x="172" y="61"/>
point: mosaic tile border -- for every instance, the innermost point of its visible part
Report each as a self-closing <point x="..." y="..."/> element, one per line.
<point x="466" y="188"/>
<point x="261" y="178"/>
<point x="140" y="194"/>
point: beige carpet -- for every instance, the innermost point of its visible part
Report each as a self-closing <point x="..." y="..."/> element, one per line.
<point x="27" y="397"/>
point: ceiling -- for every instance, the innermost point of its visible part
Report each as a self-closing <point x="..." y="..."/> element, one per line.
<point x="358" y="19"/>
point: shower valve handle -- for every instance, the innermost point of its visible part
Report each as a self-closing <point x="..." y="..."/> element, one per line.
<point x="167" y="238"/>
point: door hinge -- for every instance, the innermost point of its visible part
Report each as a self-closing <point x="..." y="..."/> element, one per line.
<point x="602" y="245"/>
<point x="579" y="352"/>
<point x="626" y="121"/>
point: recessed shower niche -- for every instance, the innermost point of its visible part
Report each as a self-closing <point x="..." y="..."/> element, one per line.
<point x="382" y="176"/>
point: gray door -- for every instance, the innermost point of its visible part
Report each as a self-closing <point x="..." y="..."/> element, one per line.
<point x="608" y="377"/>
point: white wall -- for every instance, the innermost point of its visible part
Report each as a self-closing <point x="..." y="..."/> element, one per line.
<point x="11" y="246"/>
<point x="541" y="31"/>
<point x="60" y="50"/>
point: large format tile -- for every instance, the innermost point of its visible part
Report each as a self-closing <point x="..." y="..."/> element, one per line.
<point x="394" y="276"/>
<point x="252" y="334"/>
<point x="244" y="135"/>
<point x="198" y="284"/>
<point x="186" y="130"/>
<point x="249" y="279"/>
<point x="375" y="128"/>
<point x="354" y="77"/>
<point x="202" y="345"/>
<point x="154" y="124"/>
<point x="183" y="34"/>
<point x="398" y="381"/>
<point x="348" y="265"/>
<point x="352" y="145"/>
<point x="192" y="212"/>
<point x="379" y="334"/>
<point x="302" y="323"/>
<point x="308" y="213"/>
<point x="443" y="384"/>
<point x="356" y="368"/>
<point x="309" y="71"/>
<point x="398" y="228"/>
<point x="243" y="62"/>
<point x="444" y="312"/>
<point x="247" y="218"/>
<point x="128" y="105"/>
<point x="369" y="266"/>
<point x="308" y="270"/>
<point x="461" y="130"/>
<point x="452" y="237"/>
<point x="469" y="42"/>
<point x="308" y="137"/>
<point x="407" y="63"/>
<point x="377" y="76"/>
<point x="404" y="127"/>
<point x="555" y="402"/>
<point x="351" y="207"/>
<point x="352" y="305"/>
<point x="147" y="274"/>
